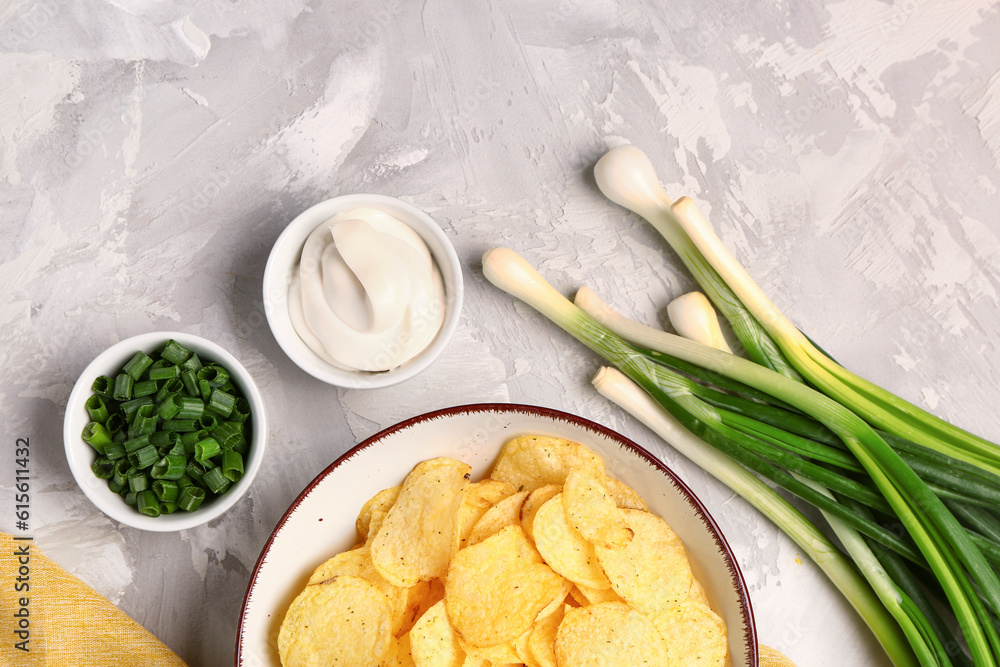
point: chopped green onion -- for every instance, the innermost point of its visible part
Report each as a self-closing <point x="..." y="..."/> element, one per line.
<point x="180" y="425"/>
<point x="208" y="421"/>
<point x="192" y="364"/>
<point x="215" y="375"/>
<point x="171" y="386"/>
<point x="232" y="465"/>
<point x="241" y="410"/>
<point x="144" y="457"/>
<point x="206" y="449"/>
<point x="115" y="450"/>
<point x="123" y="387"/>
<point x="169" y="372"/>
<point x="137" y="365"/>
<point x="138" y="481"/>
<point x="147" y="503"/>
<point x="145" y="388"/>
<point x="97" y="409"/>
<point x="163" y="438"/>
<point x="133" y="445"/>
<point x="170" y="407"/>
<point x="103" y="386"/>
<point x="216" y="481"/>
<point x="103" y="468"/>
<point x="122" y="470"/>
<point x="190" y="498"/>
<point x="169" y="467"/>
<point x="129" y="408"/>
<point x="175" y="353"/>
<point x="144" y="422"/>
<point x="151" y="427"/>
<point x="96" y="435"/>
<point x="190" y="408"/>
<point x="166" y="490"/>
<point x="190" y="381"/>
<point x="229" y="434"/>
<point x="222" y="402"/>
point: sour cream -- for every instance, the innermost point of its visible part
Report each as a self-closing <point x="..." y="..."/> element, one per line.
<point x="366" y="294"/>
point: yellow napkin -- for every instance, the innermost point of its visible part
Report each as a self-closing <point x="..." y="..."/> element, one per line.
<point x="62" y="621"/>
<point x="771" y="658"/>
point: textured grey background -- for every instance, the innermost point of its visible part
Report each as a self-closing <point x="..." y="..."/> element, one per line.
<point x="151" y="152"/>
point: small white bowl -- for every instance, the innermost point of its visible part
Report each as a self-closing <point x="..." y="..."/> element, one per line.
<point x="285" y="256"/>
<point x="80" y="455"/>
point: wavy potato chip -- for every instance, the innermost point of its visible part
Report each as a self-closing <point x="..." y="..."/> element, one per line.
<point x="498" y="654"/>
<point x="625" y="496"/>
<point x="592" y="511"/>
<point x="694" y="634"/>
<point x="533" y="502"/>
<point x="529" y="461"/>
<point x="342" y="621"/>
<point x="419" y="535"/>
<point x="542" y="640"/>
<point x="378" y="504"/>
<point x="433" y="642"/>
<point x="357" y="563"/>
<point x="507" y="512"/>
<point x="609" y="634"/>
<point x="564" y="549"/>
<point x="399" y="653"/>
<point x="652" y="573"/>
<point x="479" y="497"/>
<point x="495" y="589"/>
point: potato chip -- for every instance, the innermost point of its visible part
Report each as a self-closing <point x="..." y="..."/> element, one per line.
<point x="694" y="634"/>
<point x="652" y="572"/>
<point x="342" y="621"/>
<point x="596" y="595"/>
<point x="495" y="589"/>
<point x="498" y="654"/>
<point x="564" y="549"/>
<point x="625" y="496"/>
<point x="380" y="504"/>
<point x="610" y="634"/>
<point x="542" y="640"/>
<point x="433" y="642"/>
<point x="357" y="563"/>
<point x="535" y="500"/>
<point x="418" y="599"/>
<point x="529" y="462"/>
<point x="507" y="512"/>
<point x="479" y="497"/>
<point x="419" y="535"/>
<point x="399" y="654"/>
<point x="592" y="511"/>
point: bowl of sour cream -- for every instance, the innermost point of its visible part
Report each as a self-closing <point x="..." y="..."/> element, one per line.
<point x="363" y="291"/>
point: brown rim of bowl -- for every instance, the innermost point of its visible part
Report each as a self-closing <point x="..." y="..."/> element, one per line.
<point x="746" y="608"/>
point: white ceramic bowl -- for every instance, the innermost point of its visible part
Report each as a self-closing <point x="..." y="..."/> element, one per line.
<point x="284" y="258"/>
<point x="320" y="522"/>
<point x="80" y="455"/>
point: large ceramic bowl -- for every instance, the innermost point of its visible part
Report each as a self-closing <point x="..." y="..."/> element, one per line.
<point x="284" y="259"/>
<point x="320" y="522"/>
<point x="80" y="455"/>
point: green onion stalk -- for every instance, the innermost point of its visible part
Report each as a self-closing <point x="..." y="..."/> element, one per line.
<point x="934" y="539"/>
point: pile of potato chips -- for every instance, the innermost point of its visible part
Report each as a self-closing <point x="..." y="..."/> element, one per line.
<point x="546" y="562"/>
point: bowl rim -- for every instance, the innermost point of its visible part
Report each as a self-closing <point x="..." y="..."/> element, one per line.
<point x="736" y="574"/>
<point x="285" y="253"/>
<point x="79" y="463"/>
